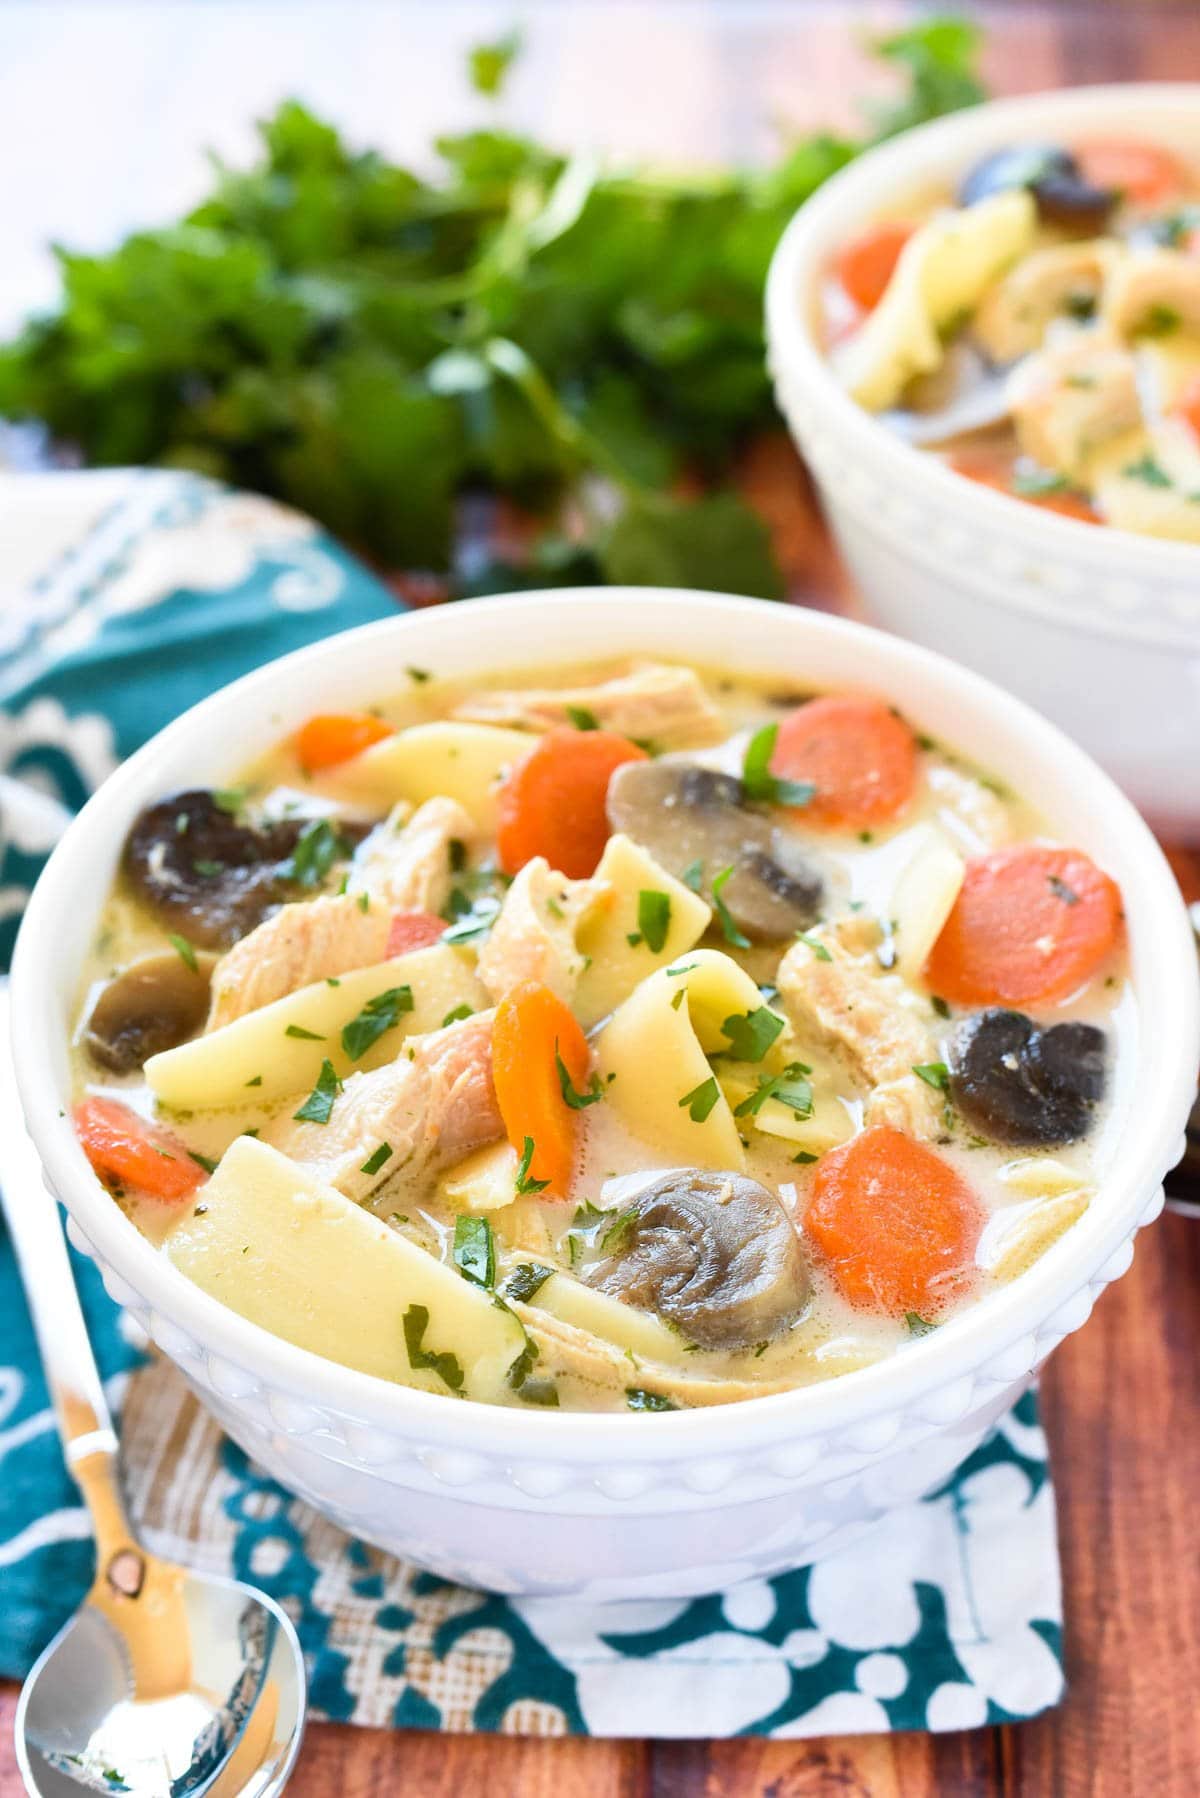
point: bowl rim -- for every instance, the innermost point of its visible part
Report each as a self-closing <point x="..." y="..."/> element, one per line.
<point x="1139" y="1161"/>
<point x="858" y="192"/>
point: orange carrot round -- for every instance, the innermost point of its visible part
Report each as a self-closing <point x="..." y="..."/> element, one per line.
<point x="334" y="737"/>
<point x="865" y="265"/>
<point x="1187" y="405"/>
<point x="413" y="930"/>
<point x="532" y="1031"/>
<point x="1069" y="504"/>
<point x="1030" y="925"/>
<point x="122" y="1146"/>
<point x="859" y="756"/>
<point x="553" y="802"/>
<point x="1138" y="171"/>
<point x="895" y="1223"/>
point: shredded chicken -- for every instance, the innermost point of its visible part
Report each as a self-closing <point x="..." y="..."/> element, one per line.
<point x="408" y="862"/>
<point x="294" y="947"/>
<point x="404" y="865"/>
<point x="431" y="1106"/>
<point x="1152" y="293"/>
<point x="1013" y="318"/>
<point x="862" y="1010"/>
<point x="534" y="936"/>
<point x="975" y="816"/>
<point x="1067" y="402"/>
<point x="654" y="702"/>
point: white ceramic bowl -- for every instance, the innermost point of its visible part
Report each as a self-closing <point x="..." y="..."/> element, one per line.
<point x="615" y="1506"/>
<point x="1098" y="628"/>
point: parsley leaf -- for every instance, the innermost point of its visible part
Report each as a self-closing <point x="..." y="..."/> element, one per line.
<point x="475" y="922"/>
<point x="654" y="918"/>
<point x="760" y="783"/>
<point x="790" y="1088"/>
<point x="307" y="1036"/>
<point x="582" y="719"/>
<point x="751" y="1033"/>
<point x="731" y="932"/>
<point x="526" y="1279"/>
<point x="438" y="1361"/>
<point x="380" y="1014"/>
<point x="701" y="1099"/>
<point x="318" y="1106"/>
<point x="318" y="847"/>
<point x="935" y="1074"/>
<point x="376" y="1159"/>
<point x="638" y="1399"/>
<point x="572" y="1097"/>
<point x="457" y="1015"/>
<point x="489" y="63"/>
<point x="816" y="945"/>
<point x="1148" y="470"/>
<point x="693" y="875"/>
<point x="524" y="1185"/>
<point x="475" y="1250"/>
<point x="183" y="950"/>
<point x="918" y="1325"/>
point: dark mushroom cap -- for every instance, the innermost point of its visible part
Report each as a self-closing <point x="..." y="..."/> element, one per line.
<point x="154" y="1004"/>
<point x="713" y="1253"/>
<point x="208" y="873"/>
<point x="1061" y="193"/>
<point x="684" y="814"/>
<point x="1018" y="1083"/>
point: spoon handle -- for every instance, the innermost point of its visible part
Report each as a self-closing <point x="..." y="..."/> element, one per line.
<point x="73" y="1379"/>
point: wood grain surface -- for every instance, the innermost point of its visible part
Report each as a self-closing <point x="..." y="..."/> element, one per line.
<point x="1121" y="1400"/>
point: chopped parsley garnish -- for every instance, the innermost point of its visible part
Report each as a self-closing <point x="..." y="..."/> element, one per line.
<point x="526" y="1279"/>
<point x="438" y="1361"/>
<point x="1038" y="483"/>
<point x="918" y="1325"/>
<point x="688" y="967"/>
<point x="524" y="1184"/>
<point x="638" y="1399"/>
<point x="317" y="848"/>
<point x="229" y="799"/>
<point x="535" y="1392"/>
<point x="582" y="719"/>
<point x="611" y="1239"/>
<point x="804" y="1156"/>
<point x="456" y="850"/>
<point x="940" y="1006"/>
<point x="693" y="875"/>
<point x="204" y="1161"/>
<point x="816" y="945"/>
<point x="317" y="1107"/>
<point x="257" y="1081"/>
<point x="679" y="997"/>
<point x="1158" y="321"/>
<point x="380" y="1014"/>
<point x="701" y="1099"/>
<point x="1148" y="470"/>
<point x="732" y="933"/>
<point x="751" y="1033"/>
<point x="654" y="918"/>
<point x="758" y="780"/>
<point x="457" y="1015"/>
<point x="475" y="1250"/>
<point x="419" y="675"/>
<point x="572" y="1097"/>
<point x="934" y="1073"/>
<point x="376" y="1159"/>
<point x="790" y="1088"/>
<point x="364" y="902"/>
<point x="208" y="868"/>
<point x="476" y="921"/>
<point x="183" y="950"/>
<point x="307" y="1036"/>
<point x="1062" y="891"/>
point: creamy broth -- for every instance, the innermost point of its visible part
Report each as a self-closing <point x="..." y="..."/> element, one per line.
<point x="588" y="1343"/>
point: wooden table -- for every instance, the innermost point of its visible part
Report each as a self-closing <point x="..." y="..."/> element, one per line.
<point x="1121" y="1400"/>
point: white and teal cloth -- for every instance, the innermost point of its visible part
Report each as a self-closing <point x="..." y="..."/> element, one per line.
<point x="124" y="598"/>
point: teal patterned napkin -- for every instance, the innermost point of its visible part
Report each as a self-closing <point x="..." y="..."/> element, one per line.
<point x="125" y="598"/>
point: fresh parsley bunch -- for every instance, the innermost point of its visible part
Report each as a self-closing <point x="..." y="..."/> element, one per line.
<point x="368" y="346"/>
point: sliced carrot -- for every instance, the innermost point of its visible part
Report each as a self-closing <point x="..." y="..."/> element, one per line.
<point x="896" y="1225"/>
<point x="1187" y="406"/>
<point x="865" y="265"/>
<point x="1138" y="171"/>
<point x="553" y="803"/>
<point x="1030" y="925"/>
<point x="413" y="930"/>
<point x="860" y="757"/>
<point x="532" y="1031"/>
<point x="122" y="1146"/>
<point x="1069" y="504"/>
<point x="334" y="737"/>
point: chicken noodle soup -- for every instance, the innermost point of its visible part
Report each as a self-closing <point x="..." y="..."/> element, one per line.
<point x="1038" y="329"/>
<point x="612" y="1037"/>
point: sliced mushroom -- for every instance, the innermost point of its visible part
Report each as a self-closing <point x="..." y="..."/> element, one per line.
<point x="685" y="815"/>
<point x="154" y="1004"/>
<point x="209" y="874"/>
<point x="714" y="1254"/>
<point x="1051" y="174"/>
<point x="1018" y="1083"/>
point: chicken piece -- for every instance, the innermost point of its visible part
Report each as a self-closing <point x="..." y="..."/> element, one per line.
<point x="1152" y="293"/>
<point x="431" y="1106"/>
<point x="533" y="938"/>
<point x="654" y="702"/>
<point x="973" y="814"/>
<point x="407" y="861"/>
<point x="294" y="947"/>
<point x="1064" y="280"/>
<point x="1068" y="401"/>
<point x="863" y="1011"/>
